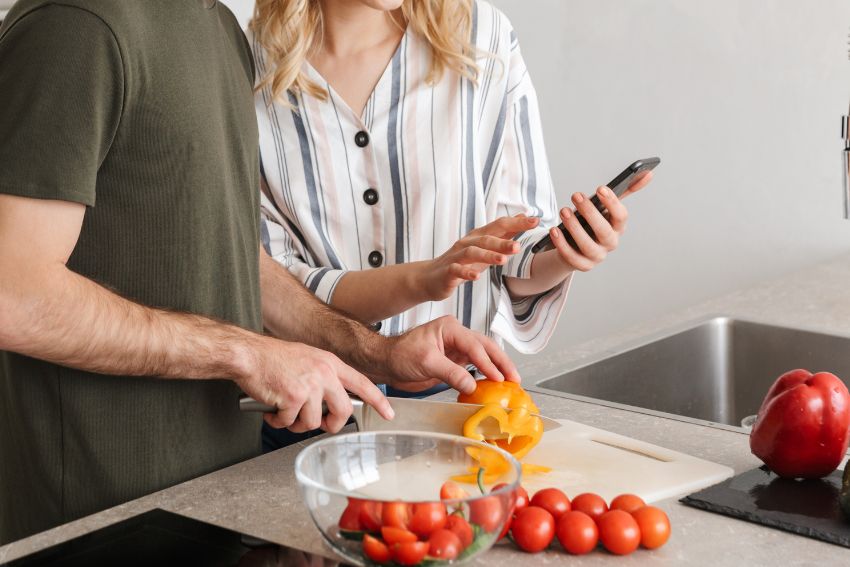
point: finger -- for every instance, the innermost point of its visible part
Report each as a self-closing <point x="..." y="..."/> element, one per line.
<point x="452" y="374"/>
<point x="293" y="400"/>
<point x="568" y="254"/>
<point x="462" y="273"/>
<point x="474" y="254"/>
<point x="638" y="183"/>
<point x="310" y="416"/>
<point x="364" y="389"/>
<point x="586" y="245"/>
<point x="507" y="227"/>
<point x="500" y="358"/>
<point x="339" y="408"/>
<point x="469" y="348"/>
<point x="494" y="244"/>
<point x="617" y="211"/>
<point x="603" y="232"/>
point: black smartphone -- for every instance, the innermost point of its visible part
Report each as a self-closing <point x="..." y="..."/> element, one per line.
<point x="618" y="185"/>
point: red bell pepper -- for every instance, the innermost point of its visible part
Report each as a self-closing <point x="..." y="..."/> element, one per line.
<point x="802" y="427"/>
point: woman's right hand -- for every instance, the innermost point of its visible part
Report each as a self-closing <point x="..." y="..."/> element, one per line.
<point x="488" y="245"/>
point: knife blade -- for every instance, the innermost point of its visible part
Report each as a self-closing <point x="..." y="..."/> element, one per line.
<point x="411" y="414"/>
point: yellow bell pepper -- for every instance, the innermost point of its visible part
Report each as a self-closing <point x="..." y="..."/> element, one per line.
<point x="507" y="394"/>
<point x="516" y="431"/>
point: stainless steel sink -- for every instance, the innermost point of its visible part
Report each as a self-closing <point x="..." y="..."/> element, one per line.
<point x="715" y="371"/>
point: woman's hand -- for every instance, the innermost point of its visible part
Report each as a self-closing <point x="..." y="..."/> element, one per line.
<point x="488" y="245"/>
<point x="591" y="250"/>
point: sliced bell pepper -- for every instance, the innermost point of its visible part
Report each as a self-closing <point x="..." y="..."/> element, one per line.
<point x="515" y="432"/>
<point x="506" y="394"/>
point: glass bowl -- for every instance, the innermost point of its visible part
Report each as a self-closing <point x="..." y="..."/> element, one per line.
<point x="355" y="484"/>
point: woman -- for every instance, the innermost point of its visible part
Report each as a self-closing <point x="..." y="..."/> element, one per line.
<point x="405" y="176"/>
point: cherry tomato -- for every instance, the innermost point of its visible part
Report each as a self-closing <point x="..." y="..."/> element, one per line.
<point x="627" y="503"/>
<point x="370" y="515"/>
<point x="533" y="529"/>
<point x="427" y="518"/>
<point x="591" y="504"/>
<point x="461" y="528"/>
<point x="520" y="497"/>
<point x="411" y="553"/>
<point x="375" y="549"/>
<point x="486" y="512"/>
<point x="619" y="532"/>
<point x="452" y="491"/>
<point x="350" y="519"/>
<point x="654" y="526"/>
<point x="444" y="544"/>
<point x="396" y="514"/>
<point x="552" y="500"/>
<point x="577" y="532"/>
<point x="394" y="535"/>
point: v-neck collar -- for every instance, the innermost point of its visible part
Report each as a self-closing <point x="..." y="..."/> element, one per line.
<point x="317" y="76"/>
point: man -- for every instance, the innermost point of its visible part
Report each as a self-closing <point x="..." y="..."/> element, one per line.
<point x="133" y="288"/>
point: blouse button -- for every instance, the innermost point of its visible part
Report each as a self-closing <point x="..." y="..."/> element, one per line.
<point x="370" y="196"/>
<point x="375" y="258"/>
<point x="361" y="138"/>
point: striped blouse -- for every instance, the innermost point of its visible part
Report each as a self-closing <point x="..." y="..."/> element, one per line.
<point x="423" y="166"/>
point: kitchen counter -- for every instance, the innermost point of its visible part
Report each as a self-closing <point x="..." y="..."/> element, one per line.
<point x="260" y="496"/>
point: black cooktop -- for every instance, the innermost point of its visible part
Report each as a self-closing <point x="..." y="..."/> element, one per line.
<point x="159" y="537"/>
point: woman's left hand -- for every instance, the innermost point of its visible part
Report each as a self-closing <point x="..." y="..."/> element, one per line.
<point x="607" y="231"/>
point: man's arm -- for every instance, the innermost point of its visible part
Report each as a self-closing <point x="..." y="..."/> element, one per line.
<point x="430" y="354"/>
<point x="51" y="313"/>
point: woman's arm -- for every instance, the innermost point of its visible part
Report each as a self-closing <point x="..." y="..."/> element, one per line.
<point x="375" y="294"/>
<point x="550" y="268"/>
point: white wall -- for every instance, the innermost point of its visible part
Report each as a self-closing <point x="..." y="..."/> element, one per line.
<point x="742" y="101"/>
<point x="740" y="98"/>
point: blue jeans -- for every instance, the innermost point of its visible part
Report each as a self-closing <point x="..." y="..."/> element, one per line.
<point x="278" y="438"/>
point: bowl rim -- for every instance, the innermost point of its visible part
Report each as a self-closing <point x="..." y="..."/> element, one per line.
<point x="303" y="480"/>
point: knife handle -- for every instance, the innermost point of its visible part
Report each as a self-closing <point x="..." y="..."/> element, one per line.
<point x="247" y="403"/>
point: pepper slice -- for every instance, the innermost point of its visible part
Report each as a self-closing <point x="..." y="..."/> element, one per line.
<point x="506" y="394"/>
<point x="515" y="432"/>
<point x="505" y="420"/>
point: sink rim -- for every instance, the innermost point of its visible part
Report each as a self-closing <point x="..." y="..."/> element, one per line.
<point x="643" y="341"/>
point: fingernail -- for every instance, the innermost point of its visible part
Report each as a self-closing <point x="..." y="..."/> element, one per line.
<point x="578" y="198"/>
<point x="391" y="412"/>
<point x="601" y="191"/>
<point x="555" y="233"/>
<point x="565" y="212"/>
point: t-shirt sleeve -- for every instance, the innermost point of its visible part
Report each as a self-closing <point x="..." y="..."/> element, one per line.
<point x="61" y="99"/>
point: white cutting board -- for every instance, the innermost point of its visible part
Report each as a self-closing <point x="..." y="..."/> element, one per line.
<point x="587" y="459"/>
<point x="582" y="458"/>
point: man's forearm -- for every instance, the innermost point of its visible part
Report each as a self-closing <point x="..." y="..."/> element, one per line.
<point x="62" y="317"/>
<point x="291" y="312"/>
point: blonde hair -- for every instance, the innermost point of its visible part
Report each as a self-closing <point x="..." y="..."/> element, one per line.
<point x="290" y="30"/>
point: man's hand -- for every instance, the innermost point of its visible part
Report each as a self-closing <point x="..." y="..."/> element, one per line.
<point x="297" y="378"/>
<point x="439" y="351"/>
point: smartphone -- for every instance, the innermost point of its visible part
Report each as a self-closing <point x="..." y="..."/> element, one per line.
<point x="618" y="185"/>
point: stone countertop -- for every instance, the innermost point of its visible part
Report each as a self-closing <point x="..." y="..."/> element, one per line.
<point x="260" y="497"/>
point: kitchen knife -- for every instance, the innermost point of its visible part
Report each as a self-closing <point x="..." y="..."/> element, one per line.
<point x="411" y="414"/>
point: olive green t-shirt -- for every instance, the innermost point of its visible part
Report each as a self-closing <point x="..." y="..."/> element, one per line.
<point x="143" y="112"/>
